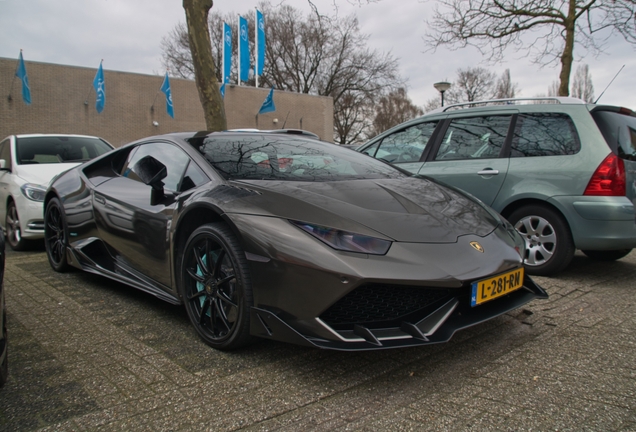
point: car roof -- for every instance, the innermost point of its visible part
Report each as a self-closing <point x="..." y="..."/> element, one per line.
<point x="503" y="103"/>
<point x="54" y="135"/>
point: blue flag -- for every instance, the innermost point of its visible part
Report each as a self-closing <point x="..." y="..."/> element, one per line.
<point x="268" y="104"/>
<point x="227" y="52"/>
<point x="222" y="89"/>
<point x="260" y="43"/>
<point x="165" y="88"/>
<point x="100" y="90"/>
<point x="244" y="50"/>
<point x="22" y="74"/>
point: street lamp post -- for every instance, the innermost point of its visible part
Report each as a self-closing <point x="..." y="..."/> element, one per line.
<point x="441" y="87"/>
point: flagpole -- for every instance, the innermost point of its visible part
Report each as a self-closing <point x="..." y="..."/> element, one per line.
<point x="9" y="98"/>
<point x="223" y="53"/>
<point x="91" y="88"/>
<point x="256" y="46"/>
<point x="152" y="107"/>
<point x="238" y="79"/>
<point x="89" y="93"/>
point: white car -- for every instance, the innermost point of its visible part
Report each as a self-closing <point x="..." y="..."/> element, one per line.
<point x="27" y="165"/>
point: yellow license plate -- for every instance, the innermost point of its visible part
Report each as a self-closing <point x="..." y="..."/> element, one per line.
<point x="489" y="289"/>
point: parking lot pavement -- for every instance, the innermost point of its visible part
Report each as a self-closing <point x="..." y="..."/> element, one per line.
<point x="86" y="353"/>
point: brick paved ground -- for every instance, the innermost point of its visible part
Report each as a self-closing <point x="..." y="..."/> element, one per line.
<point x="90" y="354"/>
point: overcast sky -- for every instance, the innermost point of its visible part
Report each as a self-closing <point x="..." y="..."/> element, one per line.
<point x="127" y="35"/>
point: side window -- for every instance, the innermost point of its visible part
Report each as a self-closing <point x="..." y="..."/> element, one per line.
<point x="175" y="160"/>
<point x="406" y="145"/>
<point x="474" y="138"/>
<point x="5" y="153"/>
<point x="544" y="134"/>
<point x="371" y="149"/>
<point x="193" y="177"/>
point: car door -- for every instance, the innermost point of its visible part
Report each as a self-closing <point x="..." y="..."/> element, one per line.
<point x="403" y="148"/>
<point x="468" y="153"/>
<point x="134" y="220"/>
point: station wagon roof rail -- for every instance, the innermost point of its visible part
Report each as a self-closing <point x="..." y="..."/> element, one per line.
<point x="511" y="101"/>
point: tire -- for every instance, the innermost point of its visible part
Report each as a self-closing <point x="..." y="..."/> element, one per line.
<point x="215" y="287"/>
<point x="14" y="232"/>
<point x="549" y="244"/>
<point x="607" y="255"/>
<point x="56" y="235"/>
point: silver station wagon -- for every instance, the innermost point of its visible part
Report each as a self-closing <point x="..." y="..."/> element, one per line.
<point x="560" y="170"/>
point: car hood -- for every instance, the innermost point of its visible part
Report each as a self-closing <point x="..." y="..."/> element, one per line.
<point x="407" y="210"/>
<point x="42" y="174"/>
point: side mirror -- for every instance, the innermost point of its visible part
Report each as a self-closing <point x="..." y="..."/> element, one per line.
<point x="151" y="172"/>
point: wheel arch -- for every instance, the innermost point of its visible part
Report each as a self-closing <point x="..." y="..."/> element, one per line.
<point x="513" y="206"/>
<point x="192" y="219"/>
<point x="47" y="198"/>
<point x="10" y="200"/>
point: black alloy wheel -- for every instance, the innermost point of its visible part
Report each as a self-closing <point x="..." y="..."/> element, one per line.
<point x="14" y="232"/>
<point x="56" y="235"/>
<point x="215" y="287"/>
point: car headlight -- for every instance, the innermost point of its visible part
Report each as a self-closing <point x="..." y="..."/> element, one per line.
<point x="33" y="192"/>
<point x="346" y="241"/>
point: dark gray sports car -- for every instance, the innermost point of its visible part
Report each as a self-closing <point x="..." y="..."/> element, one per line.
<point x="281" y="236"/>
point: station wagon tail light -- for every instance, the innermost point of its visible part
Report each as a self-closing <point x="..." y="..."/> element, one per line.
<point x="608" y="179"/>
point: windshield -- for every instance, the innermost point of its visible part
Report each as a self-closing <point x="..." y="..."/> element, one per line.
<point x="278" y="157"/>
<point x="58" y="149"/>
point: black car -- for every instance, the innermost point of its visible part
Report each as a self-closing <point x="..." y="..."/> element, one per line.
<point x="286" y="237"/>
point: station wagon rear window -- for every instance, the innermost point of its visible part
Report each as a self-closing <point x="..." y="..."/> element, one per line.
<point x="544" y="134"/>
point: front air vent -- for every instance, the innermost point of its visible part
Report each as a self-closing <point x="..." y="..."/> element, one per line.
<point x="382" y="304"/>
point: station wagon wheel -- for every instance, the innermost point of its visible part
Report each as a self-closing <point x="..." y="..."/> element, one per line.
<point x="14" y="232"/>
<point x="56" y="235"/>
<point x="549" y="244"/>
<point x="215" y="287"/>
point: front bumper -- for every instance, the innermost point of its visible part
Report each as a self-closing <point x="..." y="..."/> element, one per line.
<point x="435" y="326"/>
<point x="31" y="214"/>
<point x="308" y="293"/>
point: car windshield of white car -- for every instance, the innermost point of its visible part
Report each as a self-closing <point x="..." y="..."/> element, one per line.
<point x="58" y="149"/>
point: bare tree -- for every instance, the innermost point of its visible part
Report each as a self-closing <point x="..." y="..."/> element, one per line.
<point x="176" y="55"/>
<point x="582" y="86"/>
<point x="393" y="109"/>
<point x="553" y="90"/>
<point x="472" y="84"/>
<point x="505" y="88"/>
<point x="175" y="46"/>
<point x="432" y="104"/>
<point x="551" y="26"/>
<point x="327" y="56"/>
<point x="352" y="118"/>
<point x="314" y="54"/>
<point x="203" y="63"/>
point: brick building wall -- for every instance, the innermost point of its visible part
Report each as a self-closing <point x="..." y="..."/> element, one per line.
<point x="63" y="101"/>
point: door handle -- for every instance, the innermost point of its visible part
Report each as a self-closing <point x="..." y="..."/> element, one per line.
<point x="488" y="172"/>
